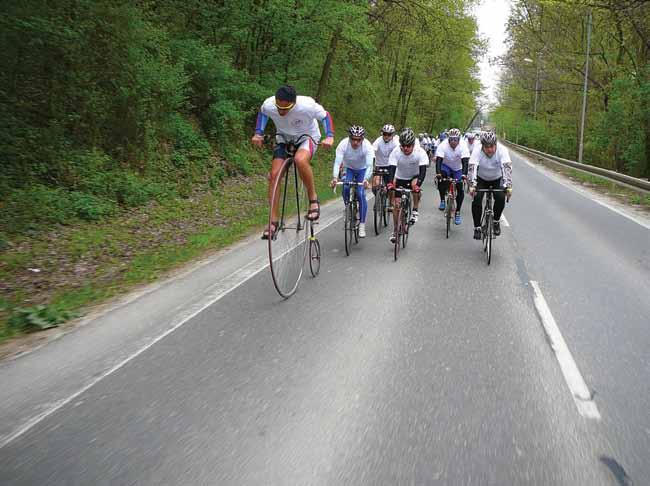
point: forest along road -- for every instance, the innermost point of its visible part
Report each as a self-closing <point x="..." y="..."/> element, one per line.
<point x="435" y="369"/>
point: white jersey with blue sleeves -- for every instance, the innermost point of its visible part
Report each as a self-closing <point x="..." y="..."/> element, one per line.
<point x="361" y="158"/>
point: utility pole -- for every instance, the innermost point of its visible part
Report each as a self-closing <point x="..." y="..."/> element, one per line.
<point x="536" y="88"/>
<point x="584" y="94"/>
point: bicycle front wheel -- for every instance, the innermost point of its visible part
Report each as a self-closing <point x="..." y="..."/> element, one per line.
<point x="288" y="246"/>
<point x="406" y="216"/>
<point x="355" y="220"/>
<point x="347" y="228"/>
<point x="488" y="239"/>
<point x="448" y="204"/>
<point x="398" y="233"/>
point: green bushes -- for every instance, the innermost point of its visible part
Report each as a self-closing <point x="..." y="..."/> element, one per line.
<point x="38" y="206"/>
<point x="38" y="318"/>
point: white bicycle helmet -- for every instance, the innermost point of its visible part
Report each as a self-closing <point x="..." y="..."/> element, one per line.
<point x="488" y="138"/>
<point x="388" y="129"/>
<point x="357" y="131"/>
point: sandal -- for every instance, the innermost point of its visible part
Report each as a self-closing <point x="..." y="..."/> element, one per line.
<point x="310" y="214"/>
<point x="270" y="231"/>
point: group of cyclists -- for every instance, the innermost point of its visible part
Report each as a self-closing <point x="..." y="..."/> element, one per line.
<point x="399" y="159"/>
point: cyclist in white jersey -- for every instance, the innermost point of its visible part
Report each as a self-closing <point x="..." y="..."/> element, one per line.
<point x="383" y="145"/>
<point x="471" y="142"/>
<point x="356" y="155"/>
<point x="452" y="157"/>
<point x="490" y="167"/>
<point x="408" y="165"/>
<point x="294" y="116"/>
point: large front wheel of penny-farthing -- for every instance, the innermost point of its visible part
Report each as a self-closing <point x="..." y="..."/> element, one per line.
<point x="289" y="244"/>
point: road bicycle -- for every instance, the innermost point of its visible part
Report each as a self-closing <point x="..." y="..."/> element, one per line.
<point x="487" y="222"/>
<point x="292" y="237"/>
<point x="404" y="210"/>
<point x="380" y="208"/>
<point x="450" y="201"/>
<point x="352" y="216"/>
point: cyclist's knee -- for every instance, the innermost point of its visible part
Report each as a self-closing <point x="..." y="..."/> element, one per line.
<point x="302" y="157"/>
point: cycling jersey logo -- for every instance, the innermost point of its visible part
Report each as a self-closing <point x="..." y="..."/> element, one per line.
<point x="297" y="123"/>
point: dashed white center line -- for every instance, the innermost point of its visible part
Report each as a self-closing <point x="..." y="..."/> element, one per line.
<point x="579" y="390"/>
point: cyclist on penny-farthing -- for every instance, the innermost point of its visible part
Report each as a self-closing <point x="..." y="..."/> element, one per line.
<point x="490" y="167"/>
<point x="294" y="116"/>
<point x="408" y="168"/>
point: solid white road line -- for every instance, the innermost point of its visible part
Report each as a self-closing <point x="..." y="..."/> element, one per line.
<point x="581" y="395"/>
<point x="504" y="220"/>
<point x="216" y="292"/>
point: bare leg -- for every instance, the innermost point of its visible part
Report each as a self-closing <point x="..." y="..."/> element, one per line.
<point x="416" y="200"/>
<point x="375" y="183"/>
<point x="303" y="159"/>
<point x="396" y="202"/>
<point x="276" y="165"/>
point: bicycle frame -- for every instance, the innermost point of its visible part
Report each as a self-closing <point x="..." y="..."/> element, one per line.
<point x="381" y="196"/>
<point x="401" y="230"/>
<point x="352" y="216"/>
<point x="450" y="201"/>
<point x="487" y="222"/>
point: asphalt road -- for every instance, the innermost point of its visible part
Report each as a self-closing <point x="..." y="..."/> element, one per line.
<point x="435" y="369"/>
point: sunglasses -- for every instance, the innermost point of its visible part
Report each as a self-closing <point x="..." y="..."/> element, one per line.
<point x="454" y="139"/>
<point x="287" y="107"/>
<point x="408" y="146"/>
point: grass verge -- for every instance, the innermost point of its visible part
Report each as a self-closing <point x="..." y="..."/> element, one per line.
<point x="57" y="274"/>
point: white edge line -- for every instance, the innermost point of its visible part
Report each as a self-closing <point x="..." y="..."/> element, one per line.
<point x="554" y="177"/>
<point x="579" y="390"/>
<point x="7" y="439"/>
<point x="505" y="221"/>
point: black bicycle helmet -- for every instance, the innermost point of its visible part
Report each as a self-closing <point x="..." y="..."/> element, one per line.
<point x="407" y="137"/>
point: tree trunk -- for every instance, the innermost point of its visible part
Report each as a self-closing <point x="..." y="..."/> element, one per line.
<point x="327" y="67"/>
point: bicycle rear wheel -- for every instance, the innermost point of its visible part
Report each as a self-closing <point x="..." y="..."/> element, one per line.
<point x="288" y="246"/>
<point x="384" y="206"/>
<point x="398" y="233"/>
<point x="347" y="228"/>
<point x="448" y="203"/>
<point x="314" y="255"/>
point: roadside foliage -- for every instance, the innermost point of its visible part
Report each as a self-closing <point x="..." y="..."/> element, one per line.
<point x="547" y="46"/>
